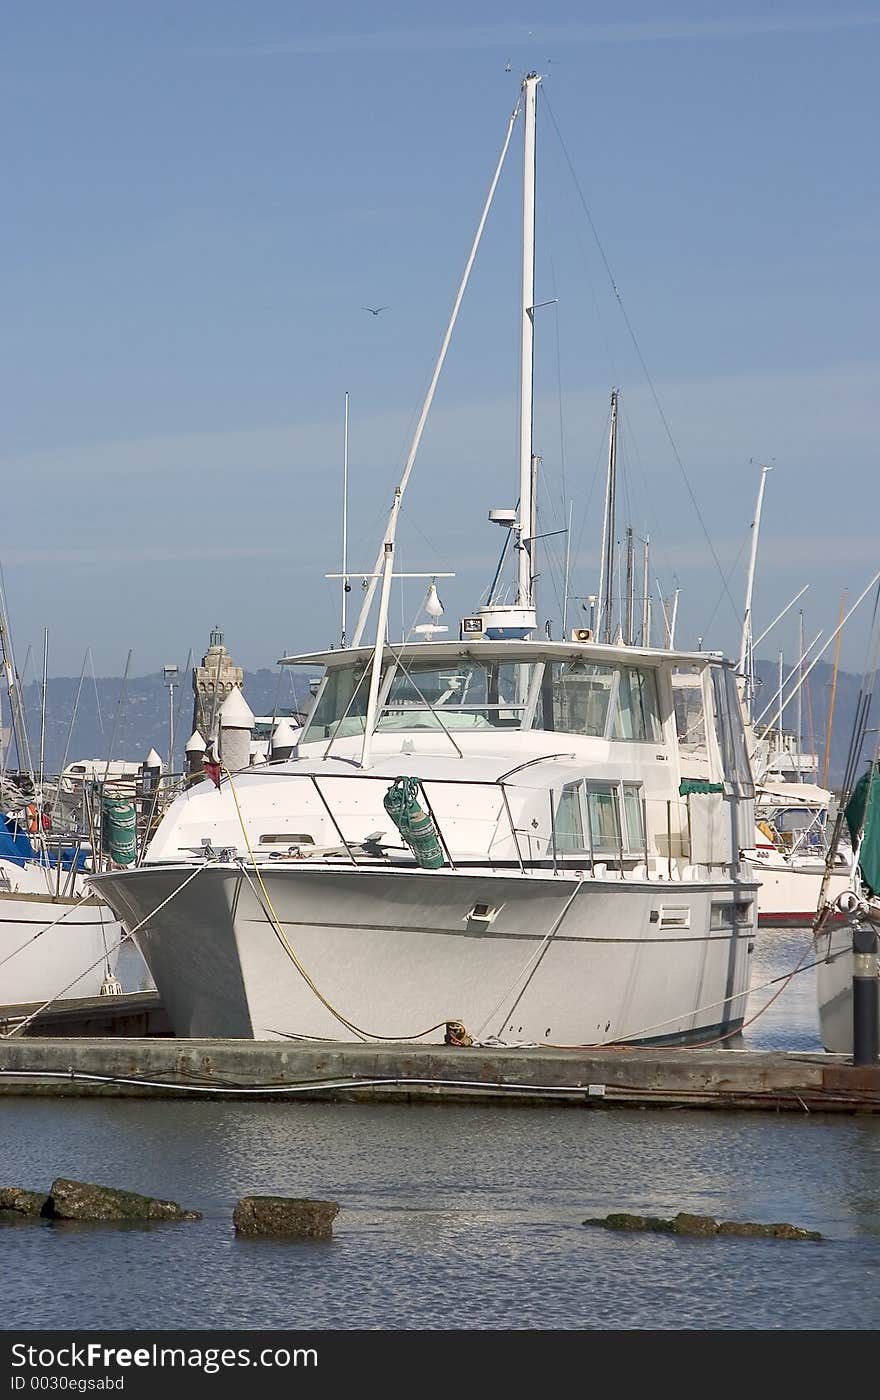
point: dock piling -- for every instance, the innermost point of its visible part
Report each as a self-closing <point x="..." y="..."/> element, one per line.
<point x="866" y="997"/>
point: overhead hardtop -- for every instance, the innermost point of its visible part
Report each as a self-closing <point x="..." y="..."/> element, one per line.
<point x="508" y="651"/>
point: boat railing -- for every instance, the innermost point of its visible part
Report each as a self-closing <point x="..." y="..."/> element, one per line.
<point x="659" y="842"/>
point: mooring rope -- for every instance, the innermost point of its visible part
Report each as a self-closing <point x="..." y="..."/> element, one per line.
<point x="22" y="1025"/>
<point x="272" y="918"/>
<point x="55" y="922"/>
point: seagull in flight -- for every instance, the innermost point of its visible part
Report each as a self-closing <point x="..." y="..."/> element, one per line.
<point x="375" y="309"/>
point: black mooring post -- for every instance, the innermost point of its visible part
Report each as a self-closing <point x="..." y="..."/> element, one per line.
<point x="866" y="997"/>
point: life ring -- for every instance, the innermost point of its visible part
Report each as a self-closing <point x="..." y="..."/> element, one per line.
<point x="33" y="820"/>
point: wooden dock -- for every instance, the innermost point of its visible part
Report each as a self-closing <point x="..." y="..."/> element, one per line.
<point x="130" y="1014"/>
<point x="167" y="1068"/>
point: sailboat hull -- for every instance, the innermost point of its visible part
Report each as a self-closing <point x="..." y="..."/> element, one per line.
<point x="343" y="954"/>
<point x="38" y="961"/>
<point x="789" y="895"/>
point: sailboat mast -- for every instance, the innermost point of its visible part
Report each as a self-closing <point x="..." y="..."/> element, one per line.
<point x="525" y="569"/>
<point x="646" y="599"/>
<point x="13" y="689"/>
<point x="43" y="717"/>
<point x="745" y="650"/>
<point x="826" y="757"/>
<point x="630" y="587"/>
<point x="800" y="713"/>
<point x="345" y="583"/>
<point x="378" y="571"/>
<point x="606" y="568"/>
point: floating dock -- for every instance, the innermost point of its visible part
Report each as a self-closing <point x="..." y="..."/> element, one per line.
<point x="167" y="1068"/>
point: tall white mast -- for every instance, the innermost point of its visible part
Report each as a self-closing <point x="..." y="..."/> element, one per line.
<point x="524" y="592"/>
<point x="745" y="650"/>
<point x="800" y="717"/>
<point x="43" y="719"/>
<point x="606" y="568"/>
<point x="345" y="583"/>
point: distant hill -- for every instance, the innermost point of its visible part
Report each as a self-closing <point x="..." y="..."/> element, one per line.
<point x="139" y="715"/>
<point x="136" y="719"/>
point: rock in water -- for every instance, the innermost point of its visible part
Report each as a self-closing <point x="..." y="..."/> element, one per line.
<point x="83" y="1200"/>
<point x="22" y="1202"/>
<point x="285" y="1216"/>
<point x="687" y="1224"/>
<point x="781" y="1231"/>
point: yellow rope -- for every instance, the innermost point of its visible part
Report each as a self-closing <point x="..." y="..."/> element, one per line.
<point x="272" y="917"/>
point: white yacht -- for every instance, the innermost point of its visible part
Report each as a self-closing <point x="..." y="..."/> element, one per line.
<point x="498" y="838"/>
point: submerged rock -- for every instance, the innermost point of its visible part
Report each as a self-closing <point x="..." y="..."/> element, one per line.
<point x="685" y="1224"/>
<point x="23" y="1202"/>
<point x="83" y="1200"/>
<point x="622" y="1220"/>
<point x="781" y="1231"/>
<point x="700" y="1225"/>
<point x="285" y="1216"/>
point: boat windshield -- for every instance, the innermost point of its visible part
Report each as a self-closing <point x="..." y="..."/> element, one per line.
<point x="570" y="697"/>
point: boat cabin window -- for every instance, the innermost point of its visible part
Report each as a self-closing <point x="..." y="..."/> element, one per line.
<point x="569" y="820"/>
<point x="801" y="828"/>
<point x="575" y="697"/>
<point x="341" y="709"/>
<point x="601" y="818"/>
<point x="590" y="698"/>
<point x="461" y="695"/>
<point x="636" y="711"/>
<point x="690" y="712"/>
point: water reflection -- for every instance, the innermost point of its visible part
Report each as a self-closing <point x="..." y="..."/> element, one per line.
<point x="457" y="1217"/>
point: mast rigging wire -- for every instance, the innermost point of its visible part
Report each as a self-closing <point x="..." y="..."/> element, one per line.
<point x="632" y="335"/>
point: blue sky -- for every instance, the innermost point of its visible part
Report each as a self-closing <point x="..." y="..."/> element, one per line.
<point x="200" y="199"/>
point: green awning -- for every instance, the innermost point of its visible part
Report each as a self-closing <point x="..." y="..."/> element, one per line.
<point x="863" y="811"/>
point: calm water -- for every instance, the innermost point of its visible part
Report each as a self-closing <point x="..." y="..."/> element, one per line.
<point x="456" y="1217"/>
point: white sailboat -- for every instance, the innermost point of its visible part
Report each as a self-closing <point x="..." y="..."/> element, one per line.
<point x="792" y="812"/>
<point x="498" y="838"/>
<point x="56" y="936"/>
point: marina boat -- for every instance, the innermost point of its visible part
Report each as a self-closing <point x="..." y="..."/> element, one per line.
<point x="791" y="852"/>
<point x="791" y="811"/>
<point x="56" y="936"/>
<point x="498" y="839"/>
<point x="858" y="906"/>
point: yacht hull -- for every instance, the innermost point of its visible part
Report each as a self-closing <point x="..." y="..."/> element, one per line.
<point x="37" y="965"/>
<point x="557" y="959"/>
